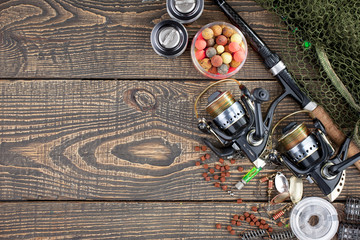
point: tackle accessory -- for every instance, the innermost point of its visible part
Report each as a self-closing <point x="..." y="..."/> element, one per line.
<point x="314" y="218"/>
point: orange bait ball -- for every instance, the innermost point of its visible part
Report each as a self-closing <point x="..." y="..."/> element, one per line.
<point x="216" y="61"/>
<point x="221" y="40"/>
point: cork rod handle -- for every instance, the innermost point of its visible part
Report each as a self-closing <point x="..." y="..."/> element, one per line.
<point x="336" y="136"/>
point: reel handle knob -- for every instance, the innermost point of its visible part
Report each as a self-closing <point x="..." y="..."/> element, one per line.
<point x="261" y="95"/>
<point x="203" y="127"/>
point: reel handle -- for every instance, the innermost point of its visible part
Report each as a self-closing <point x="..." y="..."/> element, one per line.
<point x="260" y="95"/>
<point x="343" y="165"/>
<point x="332" y="130"/>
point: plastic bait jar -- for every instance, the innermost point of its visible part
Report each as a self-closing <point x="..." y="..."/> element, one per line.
<point x="220" y="39"/>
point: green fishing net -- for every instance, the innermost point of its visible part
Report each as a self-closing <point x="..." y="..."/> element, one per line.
<point x="322" y="51"/>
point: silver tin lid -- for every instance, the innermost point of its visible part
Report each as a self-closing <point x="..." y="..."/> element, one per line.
<point x="185" y="11"/>
<point x="185" y="6"/>
<point x="169" y="38"/>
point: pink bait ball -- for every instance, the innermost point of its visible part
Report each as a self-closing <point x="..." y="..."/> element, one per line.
<point x="200" y="37"/>
<point x="239" y="56"/>
<point x="200" y="54"/>
<point x="234" y="47"/>
<point x="200" y="44"/>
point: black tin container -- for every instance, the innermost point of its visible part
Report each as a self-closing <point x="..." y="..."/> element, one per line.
<point x="169" y="38"/>
<point x="185" y="11"/>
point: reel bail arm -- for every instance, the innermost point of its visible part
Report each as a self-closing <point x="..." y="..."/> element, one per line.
<point x="225" y="152"/>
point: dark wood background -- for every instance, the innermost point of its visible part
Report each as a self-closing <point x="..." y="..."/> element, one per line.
<point x="97" y="132"/>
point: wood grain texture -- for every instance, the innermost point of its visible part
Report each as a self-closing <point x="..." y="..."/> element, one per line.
<point x="127" y="143"/>
<point x="108" y="39"/>
<point x="115" y="140"/>
<point x="124" y="220"/>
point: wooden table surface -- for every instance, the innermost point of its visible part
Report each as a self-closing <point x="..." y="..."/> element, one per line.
<point x="97" y="132"/>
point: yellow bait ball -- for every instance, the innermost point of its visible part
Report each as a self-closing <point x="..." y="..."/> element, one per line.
<point x="227" y="58"/>
<point x="220" y="49"/>
<point x="236" y="38"/>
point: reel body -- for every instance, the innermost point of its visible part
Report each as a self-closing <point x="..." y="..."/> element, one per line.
<point x="234" y="126"/>
<point x="308" y="154"/>
<point x="239" y="126"/>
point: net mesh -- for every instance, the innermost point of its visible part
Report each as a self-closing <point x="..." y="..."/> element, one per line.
<point x="321" y="47"/>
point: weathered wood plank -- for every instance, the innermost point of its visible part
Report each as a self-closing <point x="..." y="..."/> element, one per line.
<point x="113" y="140"/>
<point x="124" y="220"/>
<point x="107" y="39"/>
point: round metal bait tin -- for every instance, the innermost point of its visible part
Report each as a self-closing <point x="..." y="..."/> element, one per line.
<point x="169" y="38"/>
<point x="185" y="11"/>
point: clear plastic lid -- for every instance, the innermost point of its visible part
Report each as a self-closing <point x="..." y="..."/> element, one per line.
<point x="314" y="218"/>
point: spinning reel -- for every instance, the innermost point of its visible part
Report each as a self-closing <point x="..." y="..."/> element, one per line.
<point x="240" y="129"/>
<point x="238" y="125"/>
<point x="310" y="154"/>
